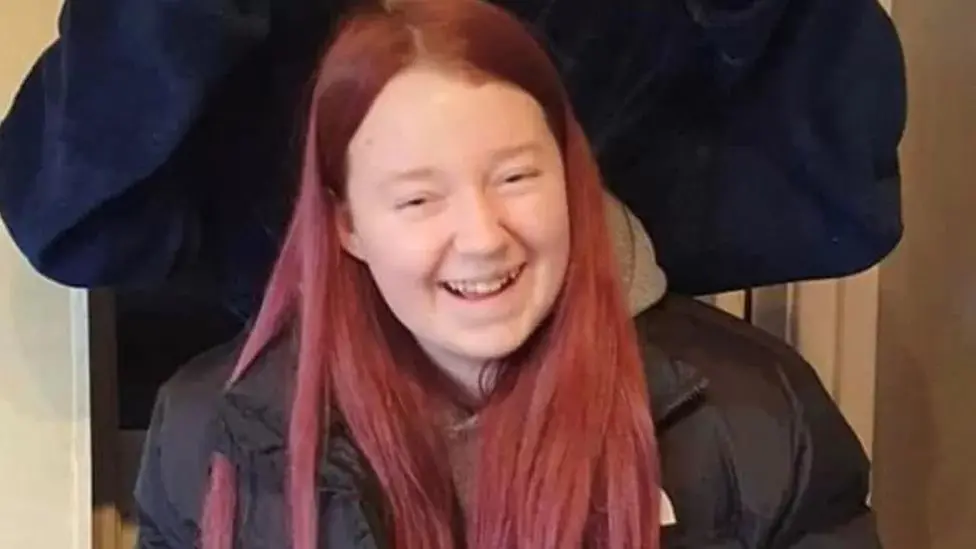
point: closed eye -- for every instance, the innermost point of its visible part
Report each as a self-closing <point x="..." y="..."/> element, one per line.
<point x="521" y="176"/>
<point x="412" y="203"/>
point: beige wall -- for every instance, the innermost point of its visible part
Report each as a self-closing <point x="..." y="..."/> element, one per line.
<point x="925" y="435"/>
<point x="44" y="436"/>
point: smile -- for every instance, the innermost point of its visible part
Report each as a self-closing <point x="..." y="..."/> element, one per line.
<point x="484" y="287"/>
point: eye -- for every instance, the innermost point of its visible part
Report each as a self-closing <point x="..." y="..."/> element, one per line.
<point x="521" y="175"/>
<point x="416" y="202"/>
<point x="412" y="203"/>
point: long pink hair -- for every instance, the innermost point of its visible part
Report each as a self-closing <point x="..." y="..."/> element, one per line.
<point x="569" y="455"/>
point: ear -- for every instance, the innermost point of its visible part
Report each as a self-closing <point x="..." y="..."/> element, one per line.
<point x="348" y="237"/>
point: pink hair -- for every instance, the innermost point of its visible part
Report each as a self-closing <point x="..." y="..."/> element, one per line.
<point x="567" y="428"/>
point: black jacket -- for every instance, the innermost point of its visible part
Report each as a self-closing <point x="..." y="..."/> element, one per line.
<point x="754" y="453"/>
<point x="153" y="142"/>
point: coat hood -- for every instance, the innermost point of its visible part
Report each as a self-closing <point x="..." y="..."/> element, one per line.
<point x="643" y="279"/>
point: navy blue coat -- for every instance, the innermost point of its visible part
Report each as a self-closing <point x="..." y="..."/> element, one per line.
<point x="153" y="144"/>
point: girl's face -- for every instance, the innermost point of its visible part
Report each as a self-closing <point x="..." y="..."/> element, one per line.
<point x="457" y="205"/>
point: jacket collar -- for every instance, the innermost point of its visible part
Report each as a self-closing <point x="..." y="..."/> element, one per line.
<point x="251" y="425"/>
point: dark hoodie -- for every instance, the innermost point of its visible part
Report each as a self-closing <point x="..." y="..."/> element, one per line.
<point x="152" y="145"/>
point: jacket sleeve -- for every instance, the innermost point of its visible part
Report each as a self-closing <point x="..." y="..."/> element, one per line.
<point x="161" y="523"/>
<point x="828" y="507"/>
<point x="175" y="468"/>
<point x="858" y="533"/>
<point x="99" y="113"/>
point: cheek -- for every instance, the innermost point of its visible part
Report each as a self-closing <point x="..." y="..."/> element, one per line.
<point x="557" y="248"/>
<point x="399" y="256"/>
<point x="544" y="227"/>
<point x="402" y="279"/>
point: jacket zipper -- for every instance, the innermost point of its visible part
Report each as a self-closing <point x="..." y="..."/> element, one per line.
<point x="686" y="397"/>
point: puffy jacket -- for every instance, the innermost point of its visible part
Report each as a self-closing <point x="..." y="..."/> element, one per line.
<point x="754" y="453"/>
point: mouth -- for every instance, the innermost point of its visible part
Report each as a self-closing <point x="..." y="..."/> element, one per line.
<point x="482" y="288"/>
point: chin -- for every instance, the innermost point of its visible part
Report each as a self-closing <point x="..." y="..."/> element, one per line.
<point x="489" y="349"/>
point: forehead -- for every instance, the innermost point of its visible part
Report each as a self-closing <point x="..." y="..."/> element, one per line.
<point x="435" y="118"/>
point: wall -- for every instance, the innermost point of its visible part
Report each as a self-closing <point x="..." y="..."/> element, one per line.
<point x="45" y="498"/>
<point x="925" y="434"/>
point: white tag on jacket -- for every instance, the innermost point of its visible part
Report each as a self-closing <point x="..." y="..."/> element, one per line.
<point x="667" y="510"/>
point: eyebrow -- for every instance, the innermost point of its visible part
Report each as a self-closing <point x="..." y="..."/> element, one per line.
<point x="410" y="175"/>
<point x="429" y="173"/>
<point x="515" y="150"/>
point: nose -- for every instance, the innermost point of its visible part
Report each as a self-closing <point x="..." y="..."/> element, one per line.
<point x="480" y="227"/>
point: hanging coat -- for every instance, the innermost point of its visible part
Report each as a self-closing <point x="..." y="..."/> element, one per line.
<point x="154" y="144"/>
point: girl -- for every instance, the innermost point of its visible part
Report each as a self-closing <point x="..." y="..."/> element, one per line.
<point x="445" y="356"/>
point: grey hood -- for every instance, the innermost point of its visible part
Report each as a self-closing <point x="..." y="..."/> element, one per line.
<point x="643" y="280"/>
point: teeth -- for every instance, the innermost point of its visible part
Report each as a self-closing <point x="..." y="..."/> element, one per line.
<point x="481" y="287"/>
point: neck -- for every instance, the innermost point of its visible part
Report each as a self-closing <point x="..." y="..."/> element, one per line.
<point x="464" y="381"/>
<point x="466" y="387"/>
